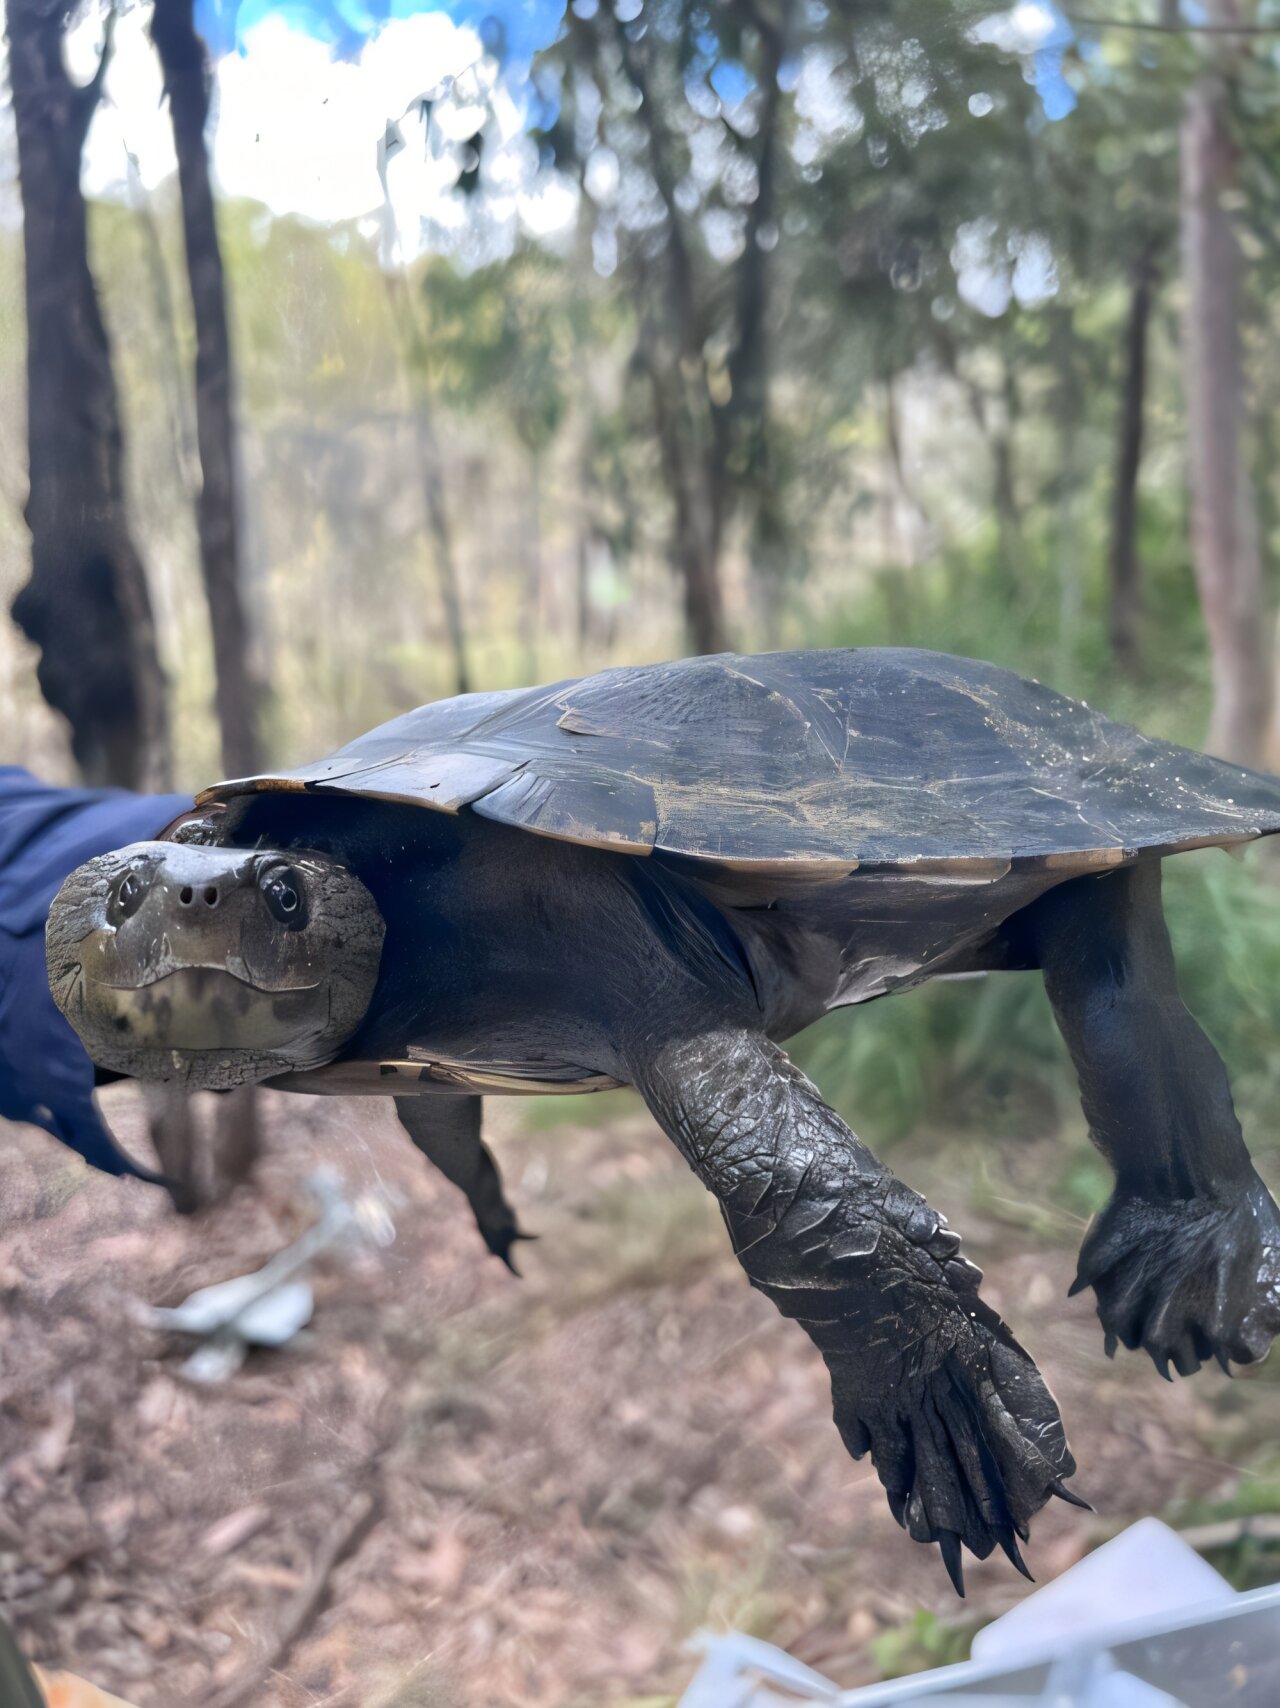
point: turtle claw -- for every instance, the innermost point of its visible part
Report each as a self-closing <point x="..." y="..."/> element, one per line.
<point x="949" y="1544"/>
<point x="968" y="1451"/>
<point x="500" y="1241"/>
<point x="1059" y="1488"/>
<point x="1013" y="1553"/>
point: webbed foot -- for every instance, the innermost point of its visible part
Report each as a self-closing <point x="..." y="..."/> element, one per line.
<point x="970" y="1447"/>
<point x="1187" y="1280"/>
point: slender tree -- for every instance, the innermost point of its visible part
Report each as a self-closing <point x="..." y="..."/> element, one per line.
<point x="702" y="343"/>
<point x="1125" y="624"/>
<point x="86" y="605"/>
<point x="1224" y="515"/>
<point x="410" y="344"/>
<point x="185" y="62"/>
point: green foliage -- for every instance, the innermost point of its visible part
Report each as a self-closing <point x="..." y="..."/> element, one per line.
<point x="985" y="1053"/>
<point x="961" y="601"/>
<point x="508" y="336"/>
<point x="1247" y="1555"/>
<point x="923" y="1643"/>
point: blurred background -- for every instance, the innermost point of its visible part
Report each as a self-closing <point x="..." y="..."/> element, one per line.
<point x="377" y="350"/>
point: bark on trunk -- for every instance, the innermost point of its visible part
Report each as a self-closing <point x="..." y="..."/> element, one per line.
<point x="690" y="476"/>
<point x="1126" y="569"/>
<point x="1224" y="522"/>
<point x="1068" y="407"/>
<point x="408" y="335"/>
<point x="187" y="82"/>
<point x="237" y="690"/>
<point x="442" y="542"/>
<point x="86" y="605"/>
<point x="690" y="439"/>
<point x="1012" y="545"/>
<point x="531" y="616"/>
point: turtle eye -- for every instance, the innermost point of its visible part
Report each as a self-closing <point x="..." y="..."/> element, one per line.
<point x="282" y="887"/>
<point x="126" y="898"/>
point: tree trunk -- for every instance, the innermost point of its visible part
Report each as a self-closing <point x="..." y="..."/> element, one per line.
<point x="690" y="478"/>
<point x="408" y="335"/>
<point x="237" y="692"/>
<point x="1012" y="544"/>
<point x="442" y="541"/>
<point x="690" y="440"/>
<point x="531" y="614"/>
<point x="86" y="604"/>
<point x="699" y="560"/>
<point x="1068" y="406"/>
<point x="1126" y="569"/>
<point x="1224" y="521"/>
<point x="187" y="82"/>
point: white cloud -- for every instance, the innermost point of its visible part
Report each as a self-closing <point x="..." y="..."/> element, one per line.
<point x="131" y="118"/>
<point x="990" y="273"/>
<point x="1035" y="273"/>
<point x="1022" y="29"/>
<point x="982" y="276"/>
<point x="298" y="130"/>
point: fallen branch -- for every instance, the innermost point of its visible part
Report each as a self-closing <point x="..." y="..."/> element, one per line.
<point x="354" y="1523"/>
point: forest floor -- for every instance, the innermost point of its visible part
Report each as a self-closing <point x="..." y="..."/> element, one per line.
<point x="462" y="1489"/>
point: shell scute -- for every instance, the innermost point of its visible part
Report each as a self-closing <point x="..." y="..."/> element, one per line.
<point x="863" y="756"/>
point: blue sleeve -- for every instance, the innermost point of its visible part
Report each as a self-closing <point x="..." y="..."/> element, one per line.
<point x="45" y="1076"/>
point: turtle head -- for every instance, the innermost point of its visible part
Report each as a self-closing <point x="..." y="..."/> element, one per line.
<point x="213" y="966"/>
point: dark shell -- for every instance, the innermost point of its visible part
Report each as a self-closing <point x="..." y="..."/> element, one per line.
<point x="805" y="760"/>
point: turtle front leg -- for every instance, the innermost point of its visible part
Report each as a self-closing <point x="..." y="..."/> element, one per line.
<point x="1185" y="1259"/>
<point x="447" y="1132"/>
<point x="925" y="1376"/>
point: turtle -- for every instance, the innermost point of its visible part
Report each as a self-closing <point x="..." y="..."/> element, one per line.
<point x="656" y="875"/>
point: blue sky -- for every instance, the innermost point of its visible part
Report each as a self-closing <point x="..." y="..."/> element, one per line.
<point x="521" y="26"/>
<point x="517" y="29"/>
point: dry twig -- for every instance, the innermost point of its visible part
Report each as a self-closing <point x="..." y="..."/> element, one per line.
<point x="351" y="1527"/>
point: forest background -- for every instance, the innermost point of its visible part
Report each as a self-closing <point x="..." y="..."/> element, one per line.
<point x="505" y="344"/>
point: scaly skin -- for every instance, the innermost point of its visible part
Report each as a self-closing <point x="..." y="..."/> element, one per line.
<point x="1185" y="1259"/>
<point x="1187" y="1280"/>
<point x="964" y="1434"/>
<point x="447" y="1132"/>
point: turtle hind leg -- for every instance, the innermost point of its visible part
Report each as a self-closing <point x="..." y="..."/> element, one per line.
<point x="964" y="1434"/>
<point x="1184" y="1260"/>
<point x="1187" y="1281"/>
<point x="447" y="1132"/>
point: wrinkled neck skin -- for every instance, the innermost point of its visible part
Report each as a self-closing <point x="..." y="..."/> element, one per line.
<point x="509" y="947"/>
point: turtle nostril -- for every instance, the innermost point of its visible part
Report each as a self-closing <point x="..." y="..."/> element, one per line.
<point x="211" y="895"/>
<point x="186" y="895"/>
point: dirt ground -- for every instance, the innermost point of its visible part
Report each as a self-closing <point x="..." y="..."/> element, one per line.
<point x="459" y="1488"/>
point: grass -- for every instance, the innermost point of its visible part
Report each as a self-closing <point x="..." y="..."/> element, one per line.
<point x="641" y="1234"/>
<point x="1246" y="1560"/>
<point x="923" y="1642"/>
<point x="985" y="1056"/>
